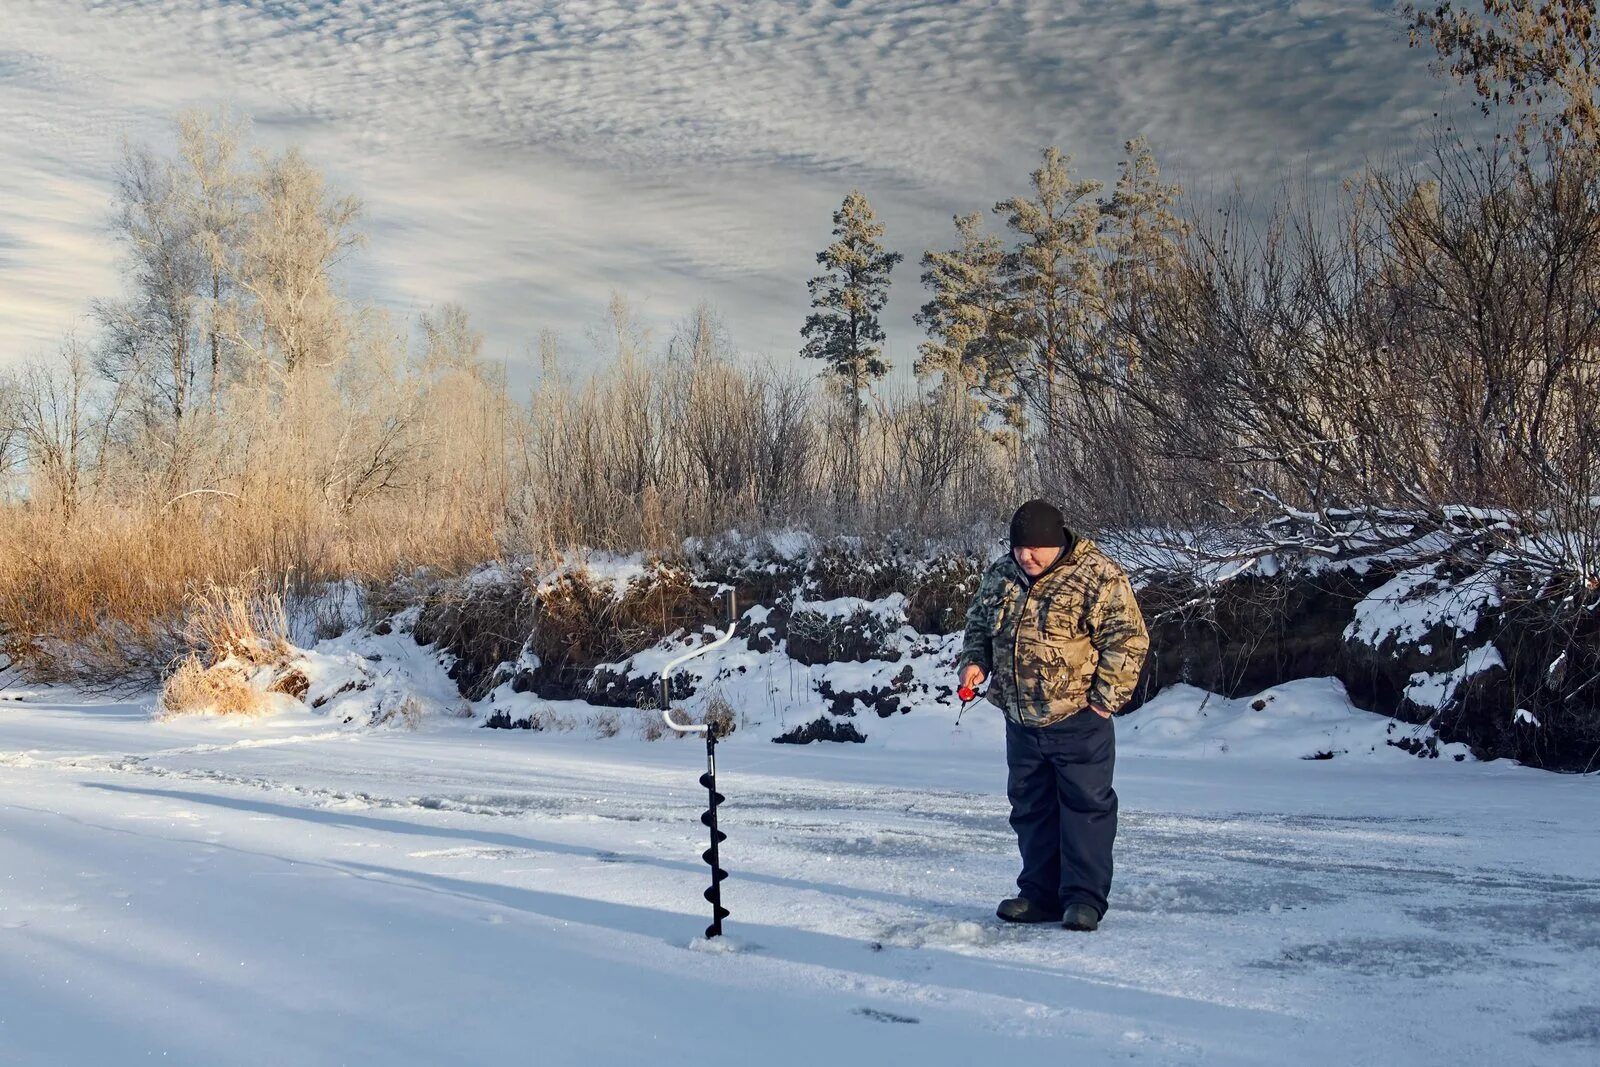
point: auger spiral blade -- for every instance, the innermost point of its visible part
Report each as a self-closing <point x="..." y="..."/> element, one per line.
<point x="708" y="780"/>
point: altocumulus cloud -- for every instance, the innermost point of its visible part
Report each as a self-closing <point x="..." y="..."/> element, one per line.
<point x="524" y="158"/>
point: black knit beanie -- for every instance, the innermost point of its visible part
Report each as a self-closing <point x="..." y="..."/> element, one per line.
<point x="1038" y="524"/>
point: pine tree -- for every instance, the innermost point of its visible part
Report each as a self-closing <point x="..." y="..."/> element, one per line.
<point x="1141" y="235"/>
<point x="1051" y="279"/>
<point x="847" y="297"/>
<point x="964" y="319"/>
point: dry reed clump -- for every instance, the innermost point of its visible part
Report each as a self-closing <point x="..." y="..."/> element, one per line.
<point x="99" y="600"/>
<point x="239" y="655"/>
<point x="245" y="622"/>
<point x="221" y="689"/>
<point x="720" y="714"/>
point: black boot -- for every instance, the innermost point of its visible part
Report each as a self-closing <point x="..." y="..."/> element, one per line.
<point x="1081" y="917"/>
<point x="1023" y="910"/>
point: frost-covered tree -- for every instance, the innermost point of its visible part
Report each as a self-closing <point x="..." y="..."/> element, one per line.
<point x="1527" y="54"/>
<point x="214" y="196"/>
<point x="153" y="335"/>
<point x="1141" y="237"/>
<point x="298" y="235"/>
<point x="843" y="329"/>
<point x="964" y="316"/>
<point x="1051" y="278"/>
<point x="165" y="342"/>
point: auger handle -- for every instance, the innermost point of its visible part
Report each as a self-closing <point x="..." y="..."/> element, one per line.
<point x="666" y="672"/>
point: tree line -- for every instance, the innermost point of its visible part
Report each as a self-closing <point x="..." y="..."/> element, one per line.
<point x="1422" y="350"/>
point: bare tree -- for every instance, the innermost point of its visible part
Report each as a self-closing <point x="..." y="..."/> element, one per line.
<point x="10" y="428"/>
<point x="151" y="337"/>
<point x="297" y="237"/>
<point x="52" y="416"/>
<point x="214" y="197"/>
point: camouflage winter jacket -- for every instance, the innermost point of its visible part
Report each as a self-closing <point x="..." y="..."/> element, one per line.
<point x="1072" y="638"/>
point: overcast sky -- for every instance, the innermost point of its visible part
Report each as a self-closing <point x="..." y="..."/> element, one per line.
<point x="525" y="158"/>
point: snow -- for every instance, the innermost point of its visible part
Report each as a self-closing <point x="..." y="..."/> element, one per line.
<point x="1302" y="719"/>
<point x="295" y="889"/>
<point x="890" y="609"/>
<point x="334" y="609"/>
<point x="1435" y="690"/>
<point x="792" y="544"/>
<point x="1413" y="602"/>
<point x="600" y="567"/>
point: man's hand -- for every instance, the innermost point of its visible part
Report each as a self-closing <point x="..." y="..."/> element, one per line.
<point x="972" y="676"/>
<point x="1102" y="712"/>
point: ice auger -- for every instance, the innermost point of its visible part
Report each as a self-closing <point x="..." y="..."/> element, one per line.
<point x="708" y="779"/>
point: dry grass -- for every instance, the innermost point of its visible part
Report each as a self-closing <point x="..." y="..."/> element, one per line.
<point x="220" y="689"/>
<point x="97" y="599"/>
<point x="243" y="621"/>
<point x="239" y="652"/>
<point x="103" y="598"/>
<point x="720" y="714"/>
<point x="406" y="711"/>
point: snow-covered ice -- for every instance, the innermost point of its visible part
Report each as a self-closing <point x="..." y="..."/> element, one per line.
<point x="295" y="890"/>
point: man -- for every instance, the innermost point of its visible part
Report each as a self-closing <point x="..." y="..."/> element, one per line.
<point x="1058" y="635"/>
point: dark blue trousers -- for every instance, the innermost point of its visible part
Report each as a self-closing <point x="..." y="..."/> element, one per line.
<point x="1063" y="808"/>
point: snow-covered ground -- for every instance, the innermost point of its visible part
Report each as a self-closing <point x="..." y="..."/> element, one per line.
<point x="294" y="890"/>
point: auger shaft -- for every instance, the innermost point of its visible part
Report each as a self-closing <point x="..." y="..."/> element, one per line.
<point x="709" y="780"/>
<point x="713" y="895"/>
